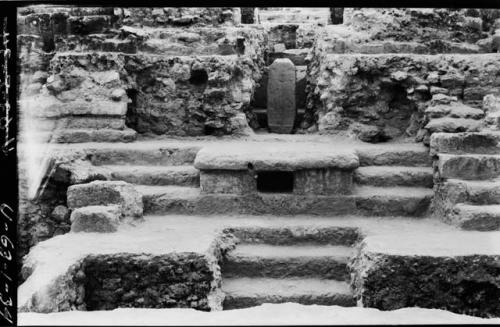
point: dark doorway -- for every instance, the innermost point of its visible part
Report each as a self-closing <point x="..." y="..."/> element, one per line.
<point x="275" y="181"/>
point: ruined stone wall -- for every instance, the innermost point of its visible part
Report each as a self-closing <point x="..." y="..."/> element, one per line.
<point x="462" y="284"/>
<point x="139" y="281"/>
<point x="381" y="97"/>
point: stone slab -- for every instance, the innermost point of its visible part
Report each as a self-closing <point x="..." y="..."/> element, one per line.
<point x="281" y="105"/>
<point x="275" y="157"/>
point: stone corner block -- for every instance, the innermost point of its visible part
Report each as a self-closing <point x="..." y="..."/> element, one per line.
<point x="99" y="219"/>
<point x="99" y="193"/>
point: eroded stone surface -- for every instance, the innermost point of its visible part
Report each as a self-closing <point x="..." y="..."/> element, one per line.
<point x="100" y="219"/>
<point x="281" y="105"/>
<point x="105" y="193"/>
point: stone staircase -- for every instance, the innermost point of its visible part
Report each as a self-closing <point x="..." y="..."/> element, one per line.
<point x="304" y="264"/>
<point x="468" y="170"/>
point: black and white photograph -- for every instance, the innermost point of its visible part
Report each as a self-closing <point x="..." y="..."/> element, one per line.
<point x="250" y="165"/>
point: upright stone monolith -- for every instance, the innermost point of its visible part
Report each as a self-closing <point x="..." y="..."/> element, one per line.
<point x="281" y="106"/>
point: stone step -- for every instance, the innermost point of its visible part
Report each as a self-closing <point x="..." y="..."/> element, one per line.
<point x="164" y="155"/>
<point x="263" y="260"/>
<point x="76" y="122"/>
<point x="453" y="125"/>
<point x="477" y="217"/>
<point x="155" y="175"/>
<point x="376" y="201"/>
<point x="461" y="143"/>
<point x="248" y="292"/>
<point x="392" y="201"/>
<point x="474" y="192"/>
<point x="89" y="135"/>
<point x="296" y="235"/>
<point x="394" y="176"/>
<point x="411" y="155"/>
<point x="469" y="166"/>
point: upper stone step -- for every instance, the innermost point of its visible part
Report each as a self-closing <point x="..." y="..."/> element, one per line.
<point x="469" y="166"/>
<point x="248" y="292"/>
<point x="394" y="176"/>
<point x="410" y="155"/>
<point x="155" y="154"/>
<point x="155" y="175"/>
<point x="477" y="217"/>
<point x="453" y="125"/>
<point x="84" y="135"/>
<point x="461" y="143"/>
<point x="262" y="260"/>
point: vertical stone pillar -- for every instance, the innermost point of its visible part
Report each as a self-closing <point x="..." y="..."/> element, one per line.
<point x="281" y="106"/>
<point x="248" y="15"/>
<point x="337" y="15"/>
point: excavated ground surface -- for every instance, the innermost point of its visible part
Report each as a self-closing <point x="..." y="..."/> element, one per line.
<point x="159" y="235"/>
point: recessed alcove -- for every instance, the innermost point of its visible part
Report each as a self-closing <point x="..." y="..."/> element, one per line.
<point x="275" y="181"/>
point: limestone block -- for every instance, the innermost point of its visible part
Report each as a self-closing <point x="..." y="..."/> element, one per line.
<point x="227" y="181"/>
<point x="469" y="167"/>
<point x="453" y="125"/>
<point x="100" y="219"/>
<point x="323" y="181"/>
<point x="477" y="217"/>
<point x="480" y="143"/>
<point x="281" y="105"/>
<point x="106" y="193"/>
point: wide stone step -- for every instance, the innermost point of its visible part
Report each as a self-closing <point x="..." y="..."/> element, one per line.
<point x="155" y="175"/>
<point x="388" y="201"/>
<point x="190" y="200"/>
<point x="477" y="217"/>
<point x="93" y="135"/>
<point x="263" y="260"/>
<point x="394" y="176"/>
<point x="411" y="155"/>
<point x="469" y="166"/>
<point x="248" y="292"/>
<point x="376" y="201"/>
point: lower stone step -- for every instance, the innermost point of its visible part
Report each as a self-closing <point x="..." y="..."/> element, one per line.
<point x="393" y="201"/>
<point x="155" y="175"/>
<point x="394" y="176"/>
<point x="477" y="217"/>
<point x="377" y="201"/>
<point x="94" y="135"/>
<point x="263" y="260"/>
<point x="469" y="166"/>
<point x="248" y="292"/>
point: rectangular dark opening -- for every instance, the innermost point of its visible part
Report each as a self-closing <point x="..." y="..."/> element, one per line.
<point x="275" y="181"/>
